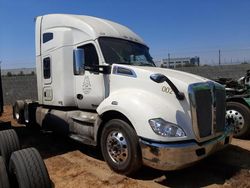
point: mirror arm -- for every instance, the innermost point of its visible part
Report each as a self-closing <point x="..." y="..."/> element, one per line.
<point x="179" y="95"/>
<point x="160" y="78"/>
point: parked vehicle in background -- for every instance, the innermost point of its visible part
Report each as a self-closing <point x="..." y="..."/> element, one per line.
<point x="98" y="84"/>
<point x="238" y="104"/>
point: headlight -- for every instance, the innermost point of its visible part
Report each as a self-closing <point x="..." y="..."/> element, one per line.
<point x="166" y="129"/>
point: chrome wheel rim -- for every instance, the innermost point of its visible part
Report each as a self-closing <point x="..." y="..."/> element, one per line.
<point x="26" y="116"/>
<point x="117" y="147"/>
<point x="236" y="119"/>
<point x="17" y="116"/>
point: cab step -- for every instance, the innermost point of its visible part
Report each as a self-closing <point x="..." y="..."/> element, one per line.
<point x="83" y="139"/>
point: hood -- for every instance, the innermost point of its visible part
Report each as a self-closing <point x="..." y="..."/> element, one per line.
<point x="173" y="74"/>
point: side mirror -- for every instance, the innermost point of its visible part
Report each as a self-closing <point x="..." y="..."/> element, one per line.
<point x="158" y="78"/>
<point x="78" y="60"/>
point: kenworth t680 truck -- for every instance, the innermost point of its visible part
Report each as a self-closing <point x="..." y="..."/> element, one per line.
<point x="98" y="84"/>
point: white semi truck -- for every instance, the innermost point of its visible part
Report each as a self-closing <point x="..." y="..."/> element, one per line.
<point x="98" y="85"/>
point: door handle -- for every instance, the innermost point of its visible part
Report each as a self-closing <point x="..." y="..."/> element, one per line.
<point x="79" y="96"/>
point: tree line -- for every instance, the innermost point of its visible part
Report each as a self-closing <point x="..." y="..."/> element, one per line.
<point x="21" y="73"/>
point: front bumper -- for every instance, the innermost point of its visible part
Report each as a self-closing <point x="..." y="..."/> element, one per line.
<point x="173" y="156"/>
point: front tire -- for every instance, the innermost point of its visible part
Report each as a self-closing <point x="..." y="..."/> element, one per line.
<point x="239" y="116"/>
<point x="120" y="147"/>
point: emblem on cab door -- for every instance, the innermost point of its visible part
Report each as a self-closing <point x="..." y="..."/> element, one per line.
<point x="86" y="86"/>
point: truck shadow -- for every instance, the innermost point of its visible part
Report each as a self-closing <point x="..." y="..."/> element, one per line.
<point x="50" y="144"/>
<point x="216" y="169"/>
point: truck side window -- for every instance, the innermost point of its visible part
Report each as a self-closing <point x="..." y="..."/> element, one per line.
<point x="91" y="57"/>
<point x="47" y="37"/>
<point x="46" y="68"/>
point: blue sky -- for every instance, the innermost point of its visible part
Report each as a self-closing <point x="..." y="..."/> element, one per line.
<point x="179" y="27"/>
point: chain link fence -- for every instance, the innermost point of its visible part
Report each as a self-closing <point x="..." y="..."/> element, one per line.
<point x="209" y="57"/>
<point x="214" y="72"/>
<point x="25" y="86"/>
<point x="19" y="87"/>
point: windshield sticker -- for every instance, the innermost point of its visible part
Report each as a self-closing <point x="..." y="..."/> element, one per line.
<point x="86" y="86"/>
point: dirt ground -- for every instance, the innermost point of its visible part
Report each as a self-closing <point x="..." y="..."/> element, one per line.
<point x="71" y="164"/>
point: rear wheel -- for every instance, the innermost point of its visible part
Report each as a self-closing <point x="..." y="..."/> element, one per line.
<point x="28" y="170"/>
<point x="18" y="111"/>
<point x="4" y="181"/>
<point x="238" y="115"/>
<point x="120" y="147"/>
<point x="30" y="114"/>
<point x="9" y="143"/>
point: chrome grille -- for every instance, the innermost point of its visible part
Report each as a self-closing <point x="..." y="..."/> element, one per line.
<point x="220" y="97"/>
<point x="207" y="101"/>
<point x="204" y="101"/>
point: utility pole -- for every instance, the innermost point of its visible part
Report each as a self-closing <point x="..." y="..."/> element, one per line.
<point x="219" y="58"/>
<point x="168" y="59"/>
<point x="1" y="90"/>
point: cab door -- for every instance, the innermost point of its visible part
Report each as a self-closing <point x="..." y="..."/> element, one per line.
<point x="89" y="85"/>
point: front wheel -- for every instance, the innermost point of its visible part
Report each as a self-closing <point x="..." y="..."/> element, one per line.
<point x="238" y="115"/>
<point x="120" y="147"/>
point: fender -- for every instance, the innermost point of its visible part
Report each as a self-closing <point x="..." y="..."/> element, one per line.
<point x="239" y="99"/>
<point x="247" y="100"/>
<point x="139" y="106"/>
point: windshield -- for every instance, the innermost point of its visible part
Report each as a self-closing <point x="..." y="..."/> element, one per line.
<point x="121" y="51"/>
